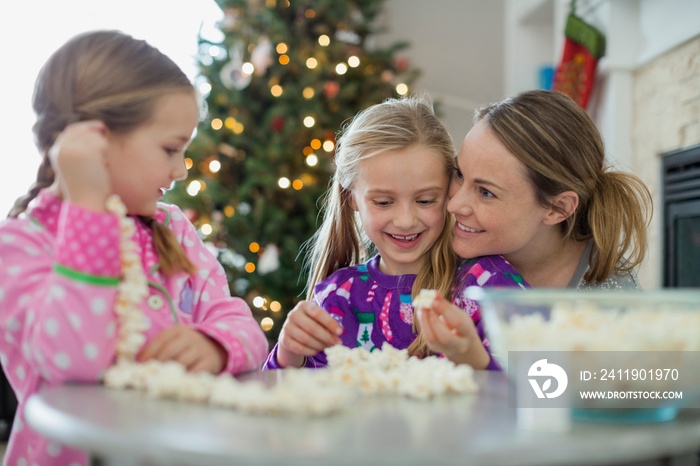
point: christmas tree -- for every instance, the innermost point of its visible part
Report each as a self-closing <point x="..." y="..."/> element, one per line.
<point x="278" y="88"/>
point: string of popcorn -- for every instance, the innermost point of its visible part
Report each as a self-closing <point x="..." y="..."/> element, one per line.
<point x="132" y="288"/>
<point x="351" y="373"/>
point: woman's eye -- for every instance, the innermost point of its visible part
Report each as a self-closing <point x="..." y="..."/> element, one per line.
<point x="458" y="174"/>
<point x="171" y="151"/>
<point x="427" y="202"/>
<point x="485" y="193"/>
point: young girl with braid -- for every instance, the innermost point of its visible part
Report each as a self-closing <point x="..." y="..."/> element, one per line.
<point x="389" y="191"/>
<point x="114" y="116"/>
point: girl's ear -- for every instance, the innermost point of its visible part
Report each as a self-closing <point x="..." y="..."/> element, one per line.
<point x="566" y="204"/>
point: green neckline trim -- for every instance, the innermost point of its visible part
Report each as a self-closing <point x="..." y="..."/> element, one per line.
<point x="167" y="216"/>
<point x="37" y="222"/>
<point x="84" y="277"/>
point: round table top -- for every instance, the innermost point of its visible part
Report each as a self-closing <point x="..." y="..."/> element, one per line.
<point x="132" y="428"/>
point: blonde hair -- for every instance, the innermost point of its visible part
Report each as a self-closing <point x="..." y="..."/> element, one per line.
<point x="111" y="77"/>
<point x="340" y="241"/>
<point x="563" y="151"/>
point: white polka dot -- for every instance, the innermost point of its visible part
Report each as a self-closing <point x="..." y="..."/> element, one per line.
<point x="14" y="270"/>
<point x="204" y="273"/>
<point x="53" y="449"/>
<point x="111" y="329"/>
<point x="26" y="350"/>
<point x="98" y="306"/>
<point x="7" y="238"/>
<point x="2" y="294"/>
<point x="12" y="324"/>
<point x="51" y="326"/>
<point x="30" y="317"/>
<point x="203" y="257"/>
<point x="57" y="292"/>
<point x="205" y="297"/>
<point x="38" y="355"/>
<point x="18" y="424"/>
<point x="221" y="326"/>
<point x="31" y="251"/>
<point x="74" y="320"/>
<point x="9" y="338"/>
<point x="24" y="299"/>
<point x="175" y="215"/>
<point x="90" y="351"/>
<point x="21" y="374"/>
<point x="61" y="360"/>
<point x="21" y="462"/>
<point x="3" y="359"/>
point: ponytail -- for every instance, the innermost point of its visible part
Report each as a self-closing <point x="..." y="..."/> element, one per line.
<point x="171" y="256"/>
<point x="44" y="179"/>
<point x="618" y="216"/>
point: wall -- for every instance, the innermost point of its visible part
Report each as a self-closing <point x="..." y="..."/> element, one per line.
<point x="458" y="45"/>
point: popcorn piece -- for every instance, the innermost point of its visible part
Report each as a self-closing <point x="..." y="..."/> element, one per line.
<point x="425" y="299"/>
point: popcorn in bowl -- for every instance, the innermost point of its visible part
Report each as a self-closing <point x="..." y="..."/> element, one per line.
<point x="628" y="355"/>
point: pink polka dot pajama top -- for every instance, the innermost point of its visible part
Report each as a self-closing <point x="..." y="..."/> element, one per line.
<point x="59" y="270"/>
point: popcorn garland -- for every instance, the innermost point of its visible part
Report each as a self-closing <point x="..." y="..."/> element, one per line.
<point x="132" y="288"/>
<point x="350" y="373"/>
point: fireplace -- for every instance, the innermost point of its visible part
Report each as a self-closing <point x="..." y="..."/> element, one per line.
<point x="681" y="191"/>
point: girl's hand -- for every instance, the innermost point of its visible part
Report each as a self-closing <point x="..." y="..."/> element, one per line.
<point x="190" y="347"/>
<point x="78" y="158"/>
<point x="307" y="330"/>
<point x="449" y="330"/>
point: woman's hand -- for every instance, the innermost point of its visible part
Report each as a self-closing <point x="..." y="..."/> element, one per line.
<point x="307" y="330"/>
<point x="78" y="157"/>
<point x="449" y="330"/>
<point x="190" y="347"/>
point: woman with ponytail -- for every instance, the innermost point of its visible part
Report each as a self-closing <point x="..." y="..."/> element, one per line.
<point x="90" y="241"/>
<point x="533" y="186"/>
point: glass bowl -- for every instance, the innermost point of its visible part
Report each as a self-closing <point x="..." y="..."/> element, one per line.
<point x="629" y="356"/>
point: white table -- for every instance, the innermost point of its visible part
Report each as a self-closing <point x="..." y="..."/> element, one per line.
<point x="129" y="428"/>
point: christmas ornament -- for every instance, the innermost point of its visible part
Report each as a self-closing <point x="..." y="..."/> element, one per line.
<point x="270" y="260"/>
<point x="277" y="123"/>
<point x="233" y="77"/>
<point x="583" y="47"/>
<point x="261" y="56"/>
<point x="331" y="89"/>
<point x="401" y="64"/>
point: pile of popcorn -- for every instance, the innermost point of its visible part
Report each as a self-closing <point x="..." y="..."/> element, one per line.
<point x="586" y="326"/>
<point x="351" y="373"/>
